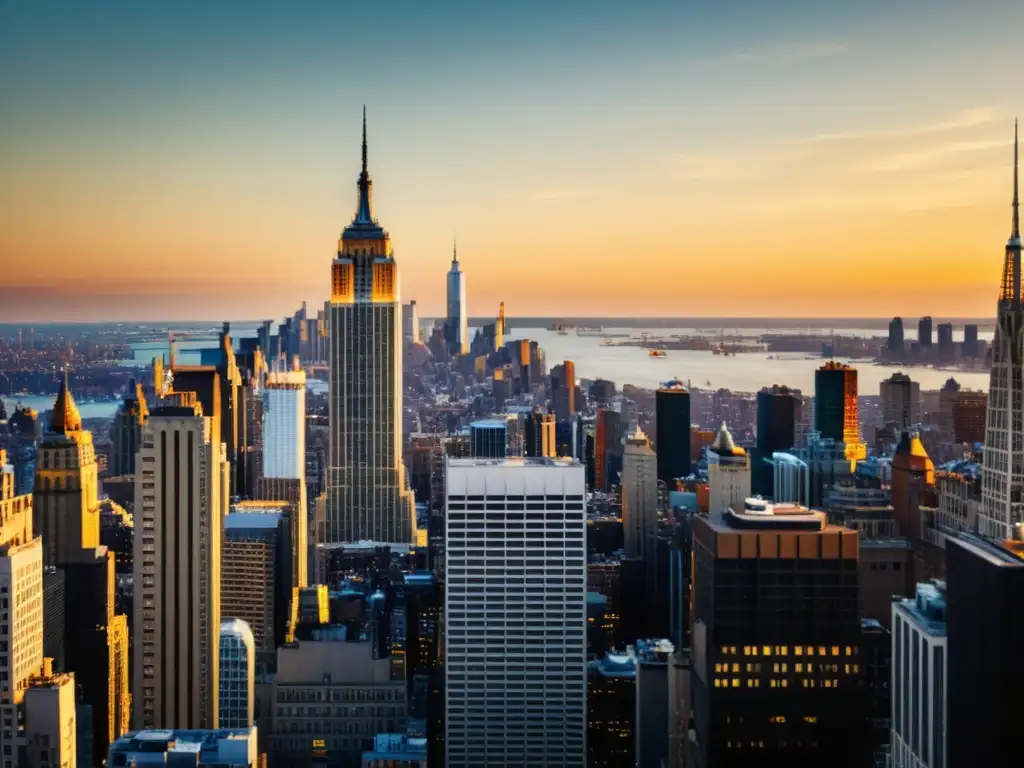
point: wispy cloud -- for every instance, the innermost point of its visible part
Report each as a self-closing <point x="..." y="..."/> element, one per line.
<point x="966" y="119"/>
<point x="926" y="157"/>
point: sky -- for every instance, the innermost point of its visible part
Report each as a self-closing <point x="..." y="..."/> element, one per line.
<point x="197" y="161"/>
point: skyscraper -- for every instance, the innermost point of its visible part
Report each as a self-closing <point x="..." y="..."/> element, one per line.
<point x="918" y="686"/>
<point x="924" y="332"/>
<point x="67" y="517"/>
<point x="985" y="631"/>
<point x="901" y="401"/>
<point x="835" y="407"/>
<point x="366" y="493"/>
<point x="126" y="432"/>
<point x="728" y="473"/>
<point x="895" y="342"/>
<point x="540" y="434"/>
<point x="457" y="334"/>
<point x="1002" y="474"/>
<point x="517" y="687"/>
<point x="639" y="496"/>
<point x="284" y="425"/>
<point x="180" y="501"/>
<point x="779" y="410"/>
<point x="776" y="672"/>
<point x="237" y="690"/>
<point x="672" y="431"/>
<point x="65" y="498"/>
<point x="410" y="323"/>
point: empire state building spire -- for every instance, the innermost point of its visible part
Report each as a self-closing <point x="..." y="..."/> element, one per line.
<point x="1002" y="469"/>
<point x="364" y="214"/>
<point x="1015" y="235"/>
<point x="1010" y="287"/>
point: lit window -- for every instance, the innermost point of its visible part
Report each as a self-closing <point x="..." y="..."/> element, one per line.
<point x="849" y="651"/>
<point x="785" y="683"/>
<point x="798" y="650"/>
<point x="784" y="650"/>
<point x="810" y="650"/>
<point x="735" y="667"/>
<point x="821" y="650"/>
<point x="735" y="682"/>
<point x="773" y="683"/>
<point x="775" y="667"/>
<point x="810" y="719"/>
<point x="767" y="650"/>
<point x="835" y="650"/>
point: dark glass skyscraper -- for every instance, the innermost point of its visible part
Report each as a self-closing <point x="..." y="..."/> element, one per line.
<point x="672" y="431"/>
<point x="924" y="332"/>
<point x="776" y="630"/>
<point x="835" y="405"/>
<point x="985" y="632"/>
<point x="778" y="412"/>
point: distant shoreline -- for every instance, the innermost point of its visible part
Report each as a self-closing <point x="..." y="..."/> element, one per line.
<point x="766" y="323"/>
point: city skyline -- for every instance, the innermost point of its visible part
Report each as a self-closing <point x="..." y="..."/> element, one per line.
<point x="196" y="164"/>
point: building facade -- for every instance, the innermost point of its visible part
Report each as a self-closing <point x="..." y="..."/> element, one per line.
<point x="835" y="407"/>
<point x="284" y="425"/>
<point x="985" y="631"/>
<point x="180" y="501"/>
<point x="728" y="473"/>
<point x="126" y="432"/>
<point x="639" y="495"/>
<point x="779" y="410"/>
<point x="237" y="689"/>
<point x="776" y="672"/>
<point x="918" y="685"/>
<point x="516" y="680"/>
<point x="672" y="431"/>
<point x="367" y="498"/>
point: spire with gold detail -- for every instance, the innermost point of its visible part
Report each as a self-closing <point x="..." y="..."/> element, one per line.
<point x="65" y="417"/>
<point x="364" y="213"/>
<point x="1009" y="291"/>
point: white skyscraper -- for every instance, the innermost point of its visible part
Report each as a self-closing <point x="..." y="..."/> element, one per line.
<point x="457" y="330"/>
<point x="728" y="473"/>
<point x="181" y="496"/>
<point x="515" y="623"/>
<point x="237" y="675"/>
<point x="1002" y="473"/>
<point x="367" y="498"/>
<point x="284" y="425"/>
<point x="639" y="494"/>
<point x="918" y="684"/>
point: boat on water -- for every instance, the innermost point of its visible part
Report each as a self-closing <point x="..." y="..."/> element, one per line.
<point x="560" y="328"/>
<point x="607" y="343"/>
<point x="656" y="353"/>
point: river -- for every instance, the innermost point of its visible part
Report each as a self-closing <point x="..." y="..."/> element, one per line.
<point x="746" y="372"/>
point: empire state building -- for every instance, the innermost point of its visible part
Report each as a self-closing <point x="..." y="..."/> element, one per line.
<point x="1002" y="471"/>
<point x="367" y="497"/>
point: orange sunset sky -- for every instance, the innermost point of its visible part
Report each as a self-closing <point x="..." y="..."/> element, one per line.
<point x="749" y="158"/>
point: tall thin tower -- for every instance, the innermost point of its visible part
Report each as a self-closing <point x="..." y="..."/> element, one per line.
<point x="458" y="322"/>
<point x="367" y="497"/>
<point x="1002" y="475"/>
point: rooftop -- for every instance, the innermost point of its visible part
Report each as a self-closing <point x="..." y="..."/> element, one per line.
<point x="928" y="608"/>
<point x="758" y="514"/>
<point x="614" y="665"/>
<point x="1005" y="554"/>
<point x="514" y="461"/>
